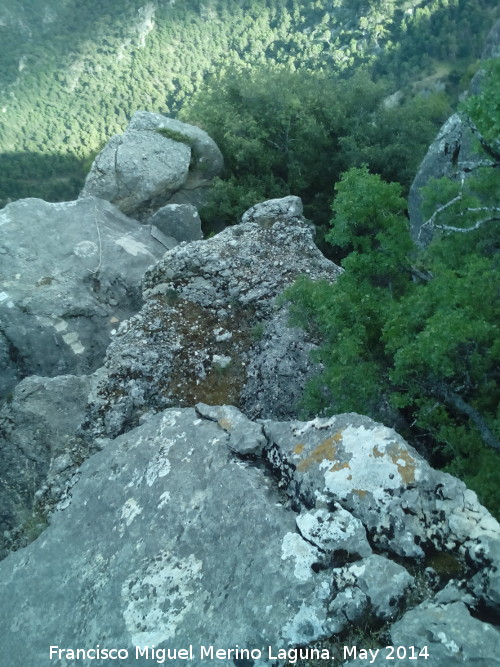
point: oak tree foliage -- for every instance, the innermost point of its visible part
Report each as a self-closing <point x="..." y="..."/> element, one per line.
<point x="412" y="338"/>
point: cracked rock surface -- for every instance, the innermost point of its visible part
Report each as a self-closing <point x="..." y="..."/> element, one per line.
<point x="36" y="428"/>
<point x="211" y="330"/>
<point x="172" y="537"/>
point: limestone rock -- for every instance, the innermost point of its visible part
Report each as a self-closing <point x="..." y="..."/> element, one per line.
<point x="278" y="368"/>
<point x="170" y="539"/>
<point x="147" y="166"/>
<point x="267" y="213"/>
<point x="69" y="274"/>
<point x="334" y="531"/>
<point x="207" y="158"/>
<point x="450" y="635"/>
<point x="179" y="221"/>
<point x="407" y="508"/>
<point x="36" y="426"/>
<point x="245" y="437"/>
<point x="210" y="329"/>
<point x="158" y="547"/>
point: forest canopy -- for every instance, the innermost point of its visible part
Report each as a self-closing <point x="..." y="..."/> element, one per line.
<point x="412" y="338"/>
<point x="72" y="73"/>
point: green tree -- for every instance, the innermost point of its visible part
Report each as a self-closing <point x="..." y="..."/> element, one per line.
<point x="295" y="132"/>
<point x="410" y="340"/>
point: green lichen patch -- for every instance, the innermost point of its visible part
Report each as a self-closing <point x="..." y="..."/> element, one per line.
<point x="195" y="375"/>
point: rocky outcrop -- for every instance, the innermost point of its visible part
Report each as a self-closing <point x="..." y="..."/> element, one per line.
<point x="407" y="508"/>
<point x="175" y="538"/>
<point x="37" y="426"/>
<point x="189" y="510"/>
<point x="454" y="154"/>
<point x="437" y="635"/>
<point x="69" y="274"/>
<point x="156" y="161"/>
<point x="450" y="155"/>
<point x="210" y="329"/>
<point x="229" y="352"/>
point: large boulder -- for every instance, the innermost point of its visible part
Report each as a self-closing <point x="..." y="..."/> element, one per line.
<point x="177" y="537"/>
<point x="454" y="153"/>
<point x="37" y="427"/>
<point x="156" y="161"/>
<point x="69" y="274"/>
<point x="210" y="329"/>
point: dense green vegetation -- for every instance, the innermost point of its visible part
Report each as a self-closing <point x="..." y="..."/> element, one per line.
<point x="413" y="339"/>
<point x="299" y="96"/>
<point x="285" y="132"/>
<point x="72" y="73"/>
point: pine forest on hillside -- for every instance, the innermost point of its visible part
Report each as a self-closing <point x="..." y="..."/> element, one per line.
<point x="72" y="73"/>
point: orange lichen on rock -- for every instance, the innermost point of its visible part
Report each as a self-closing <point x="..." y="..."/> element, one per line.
<point x="339" y="466"/>
<point x="325" y="450"/>
<point x="405" y="463"/>
<point x="401" y="458"/>
<point x="298" y="449"/>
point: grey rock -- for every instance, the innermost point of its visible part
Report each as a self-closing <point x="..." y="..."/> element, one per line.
<point x="334" y="531"/>
<point x="455" y="592"/>
<point x="169" y="538"/>
<point x="168" y="242"/>
<point x="70" y="272"/>
<point x="384" y="582"/>
<point x="245" y="437"/>
<point x="138" y="170"/>
<point x="448" y="633"/>
<point x="406" y="507"/>
<point x="180" y="221"/>
<point x="278" y="369"/>
<point x="210" y="330"/>
<point x="142" y="170"/>
<point x="374" y="587"/>
<point x="485" y="585"/>
<point x="268" y="212"/>
<point x="158" y="547"/>
<point x="207" y="158"/>
<point x="36" y="427"/>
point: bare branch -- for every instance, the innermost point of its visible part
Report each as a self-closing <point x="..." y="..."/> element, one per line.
<point x="490" y="209"/>
<point x="431" y="222"/>
<point x="449" y="397"/>
<point x="450" y="228"/>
